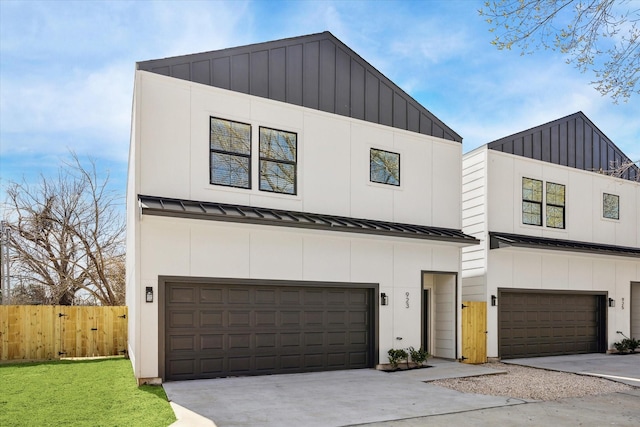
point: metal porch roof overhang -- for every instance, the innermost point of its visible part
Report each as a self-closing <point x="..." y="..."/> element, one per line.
<point x="161" y="206"/>
<point x="501" y="240"/>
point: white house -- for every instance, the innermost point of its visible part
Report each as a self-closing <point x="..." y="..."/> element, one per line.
<point x="559" y="263"/>
<point x="289" y="209"/>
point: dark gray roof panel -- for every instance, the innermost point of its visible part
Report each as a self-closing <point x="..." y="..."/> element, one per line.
<point x="161" y="206"/>
<point x="316" y="71"/>
<point x="572" y="141"/>
<point x="500" y="240"/>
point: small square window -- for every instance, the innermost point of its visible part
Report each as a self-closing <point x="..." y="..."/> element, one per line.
<point x="384" y="167"/>
<point x="610" y="206"/>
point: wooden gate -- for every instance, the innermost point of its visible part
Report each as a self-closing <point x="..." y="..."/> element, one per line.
<point x="40" y="332"/>
<point x="474" y="332"/>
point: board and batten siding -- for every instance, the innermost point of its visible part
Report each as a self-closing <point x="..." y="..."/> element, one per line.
<point x="474" y="223"/>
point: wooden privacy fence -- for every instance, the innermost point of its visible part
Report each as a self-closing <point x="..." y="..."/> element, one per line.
<point x="41" y="332"/>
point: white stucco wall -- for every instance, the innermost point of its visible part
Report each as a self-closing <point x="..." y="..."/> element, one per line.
<point x="333" y="156"/>
<point x="196" y="248"/>
<point x="170" y="158"/>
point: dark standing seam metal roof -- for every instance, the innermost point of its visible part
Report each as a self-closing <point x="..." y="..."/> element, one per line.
<point x="572" y="141"/>
<point x="265" y="216"/>
<point x="500" y="240"/>
<point x="316" y="71"/>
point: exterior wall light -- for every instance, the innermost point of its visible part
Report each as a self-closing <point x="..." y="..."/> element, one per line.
<point x="494" y="301"/>
<point x="149" y="294"/>
<point x="612" y="302"/>
<point x="384" y="299"/>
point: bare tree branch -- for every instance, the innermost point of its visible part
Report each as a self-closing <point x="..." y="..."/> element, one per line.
<point x="596" y="35"/>
<point x="67" y="235"/>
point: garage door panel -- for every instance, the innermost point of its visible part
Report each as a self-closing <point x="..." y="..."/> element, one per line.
<point x="238" y="296"/>
<point x="239" y="319"/>
<point x="290" y="318"/>
<point x="266" y="296"/>
<point x="211" y="296"/>
<point x="182" y="294"/>
<point x="182" y="319"/>
<point x="211" y="342"/>
<point x="549" y="324"/>
<point x="211" y="319"/>
<point x="313" y="318"/>
<point x="314" y="339"/>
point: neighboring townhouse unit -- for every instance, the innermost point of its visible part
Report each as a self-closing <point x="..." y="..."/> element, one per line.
<point x="559" y="263"/>
<point x="289" y="209"/>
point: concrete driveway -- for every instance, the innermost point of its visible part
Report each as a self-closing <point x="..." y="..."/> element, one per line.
<point x="363" y="396"/>
<point x="620" y="368"/>
<point x="335" y="398"/>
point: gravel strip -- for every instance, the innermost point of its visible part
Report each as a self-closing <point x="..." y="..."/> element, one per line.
<point x="532" y="383"/>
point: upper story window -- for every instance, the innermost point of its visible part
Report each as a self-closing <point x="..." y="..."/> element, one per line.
<point x="555" y="205"/>
<point x="230" y="153"/>
<point x="278" y="157"/>
<point x="610" y="206"/>
<point x="384" y="167"/>
<point x="531" y="201"/>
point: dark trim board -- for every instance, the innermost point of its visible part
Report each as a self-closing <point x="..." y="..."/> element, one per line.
<point x="164" y="282"/>
<point x="501" y="240"/>
<point x="162" y="206"/>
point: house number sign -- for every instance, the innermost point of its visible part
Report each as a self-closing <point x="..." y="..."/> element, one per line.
<point x="407" y="295"/>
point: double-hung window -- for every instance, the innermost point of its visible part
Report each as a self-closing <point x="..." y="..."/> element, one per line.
<point x="555" y="205"/>
<point x="278" y="158"/>
<point x="531" y="201"/>
<point x="384" y="167"/>
<point x="230" y="153"/>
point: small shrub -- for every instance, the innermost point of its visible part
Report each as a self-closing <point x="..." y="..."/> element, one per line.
<point x="396" y="355"/>
<point x="621" y="346"/>
<point x="632" y="343"/>
<point x="627" y="345"/>
<point x="418" y="356"/>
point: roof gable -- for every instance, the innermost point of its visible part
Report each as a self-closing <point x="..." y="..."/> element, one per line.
<point x="572" y="141"/>
<point x="316" y="71"/>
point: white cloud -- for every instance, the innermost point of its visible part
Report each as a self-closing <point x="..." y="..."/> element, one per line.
<point x="93" y="107"/>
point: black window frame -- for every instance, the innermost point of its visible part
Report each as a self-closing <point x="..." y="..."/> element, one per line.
<point x="532" y="202"/>
<point x="265" y="159"/>
<point x="229" y="153"/>
<point x="604" y="212"/>
<point x="556" y="205"/>
<point x="371" y="175"/>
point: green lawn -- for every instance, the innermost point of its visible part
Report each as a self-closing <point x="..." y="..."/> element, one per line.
<point x="99" y="392"/>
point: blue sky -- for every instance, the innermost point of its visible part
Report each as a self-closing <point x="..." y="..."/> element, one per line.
<point x="67" y="68"/>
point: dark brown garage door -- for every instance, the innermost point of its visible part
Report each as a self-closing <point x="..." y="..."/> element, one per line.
<point x="220" y="330"/>
<point x="548" y="324"/>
